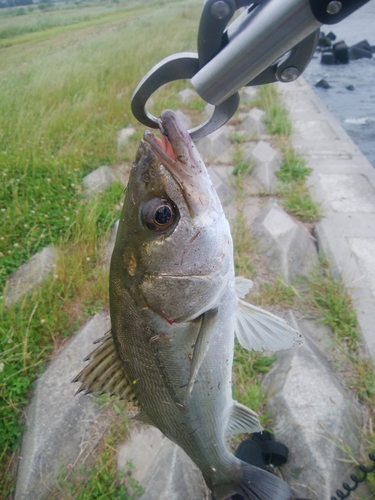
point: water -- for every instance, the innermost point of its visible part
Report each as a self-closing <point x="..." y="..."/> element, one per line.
<point x="354" y="110"/>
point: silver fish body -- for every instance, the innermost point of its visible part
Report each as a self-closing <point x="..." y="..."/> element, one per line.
<point x="175" y="307"/>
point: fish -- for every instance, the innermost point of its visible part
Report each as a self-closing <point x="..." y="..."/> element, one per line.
<point x="176" y="307"/>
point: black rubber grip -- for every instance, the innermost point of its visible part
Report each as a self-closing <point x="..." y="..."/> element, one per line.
<point x="330" y="12"/>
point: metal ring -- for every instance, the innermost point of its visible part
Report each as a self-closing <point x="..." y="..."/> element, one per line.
<point x="177" y="67"/>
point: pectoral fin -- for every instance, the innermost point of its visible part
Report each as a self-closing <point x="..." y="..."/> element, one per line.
<point x="201" y="346"/>
<point x="243" y="286"/>
<point x="257" y="329"/>
<point x="104" y="373"/>
<point x="242" y="419"/>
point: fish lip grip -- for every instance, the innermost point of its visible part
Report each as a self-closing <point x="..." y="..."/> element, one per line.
<point x="176" y="67"/>
<point x="269" y="41"/>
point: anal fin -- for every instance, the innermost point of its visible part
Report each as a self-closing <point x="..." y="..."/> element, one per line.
<point x="242" y="419"/>
<point x="104" y="373"/>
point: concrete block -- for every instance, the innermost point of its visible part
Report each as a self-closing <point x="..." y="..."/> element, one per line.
<point x="288" y="248"/>
<point x="248" y="94"/>
<point x="186" y="95"/>
<point x="99" y="180"/>
<point x="161" y="467"/>
<point x="38" y="268"/>
<point x="122" y="173"/>
<point x="58" y="422"/>
<point x="315" y="417"/>
<point x="348" y="193"/>
<point x="220" y="179"/>
<point x="215" y="144"/>
<point x="124" y="135"/>
<point x="186" y="120"/>
<point x="209" y="109"/>
<point x="267" y="161"/>
<point x="254" y="123"/>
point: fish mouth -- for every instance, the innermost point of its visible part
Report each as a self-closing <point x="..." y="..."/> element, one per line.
<point x="177" y="152"/>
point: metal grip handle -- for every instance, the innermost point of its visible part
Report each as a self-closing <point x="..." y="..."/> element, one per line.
<point x="256" y="39"/>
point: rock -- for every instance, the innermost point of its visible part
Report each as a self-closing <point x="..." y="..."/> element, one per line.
<point x="186" y="120"/>
<point x="267" y="161"/>
<point x="215" y="144"/>
<point x="327" y="57"/>
<point x="323" y="84"/>
<point x="186" y="96"/>
<point x="331" y="36"/>
<point x="360" y="50"/>
<point x="254" y="122"/>
<point x="58" y="422"/>
<point x="350" y="87"/>
<point x="161" y="467"/>
<point x="324" y="42"/>
<point x="314" y="416"/>
<point x="287" y="248"/>
<point x="99" y="180"/>
<point x="122" y="173"/>
<point x="38" y="268"/>
<point x="124" y="135"/>
<point x="341" y="53"/>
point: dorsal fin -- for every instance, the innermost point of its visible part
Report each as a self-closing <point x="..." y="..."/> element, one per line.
<point x="104" y="373"/>
<point x="242" y="419"/>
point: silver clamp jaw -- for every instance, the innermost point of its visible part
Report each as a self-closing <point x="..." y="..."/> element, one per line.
<point x="271" y="40"/>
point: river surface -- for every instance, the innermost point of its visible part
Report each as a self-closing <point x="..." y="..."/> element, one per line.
<point x="354" y="110"/>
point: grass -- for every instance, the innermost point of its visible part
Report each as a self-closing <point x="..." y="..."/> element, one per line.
<point x="248" y="367"/>
<point x="35" y="326"/>
<point x="65" y="94"/>
<point x="335" y="305"/>
<point x="77" y="90"/>
<point x="277" y="120"/>
<point x="295" y="197"/>
<point x="293" y="168"/>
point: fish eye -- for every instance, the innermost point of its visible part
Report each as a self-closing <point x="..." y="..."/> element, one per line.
<point x="159" y="215"/>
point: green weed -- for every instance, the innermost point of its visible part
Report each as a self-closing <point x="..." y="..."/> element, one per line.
<point x="297" y="201"/>
<point x="197" y="104"/>
<point x="277" y="293"/>
<point x="244" y="247"/>
<point x="247" y="370"/>
<point x="277" y="120"/>
<point x="242" y="168"/>
<point x="294" y="167"/>
<point x="32" y="328"/>
<point x="335" y="305"/>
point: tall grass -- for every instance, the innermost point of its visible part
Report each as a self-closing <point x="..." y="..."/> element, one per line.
<point x="62" y="103"/>
<point x="61" y="106"/>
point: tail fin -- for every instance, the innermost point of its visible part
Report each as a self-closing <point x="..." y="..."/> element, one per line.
<point x="255" y="484"/>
